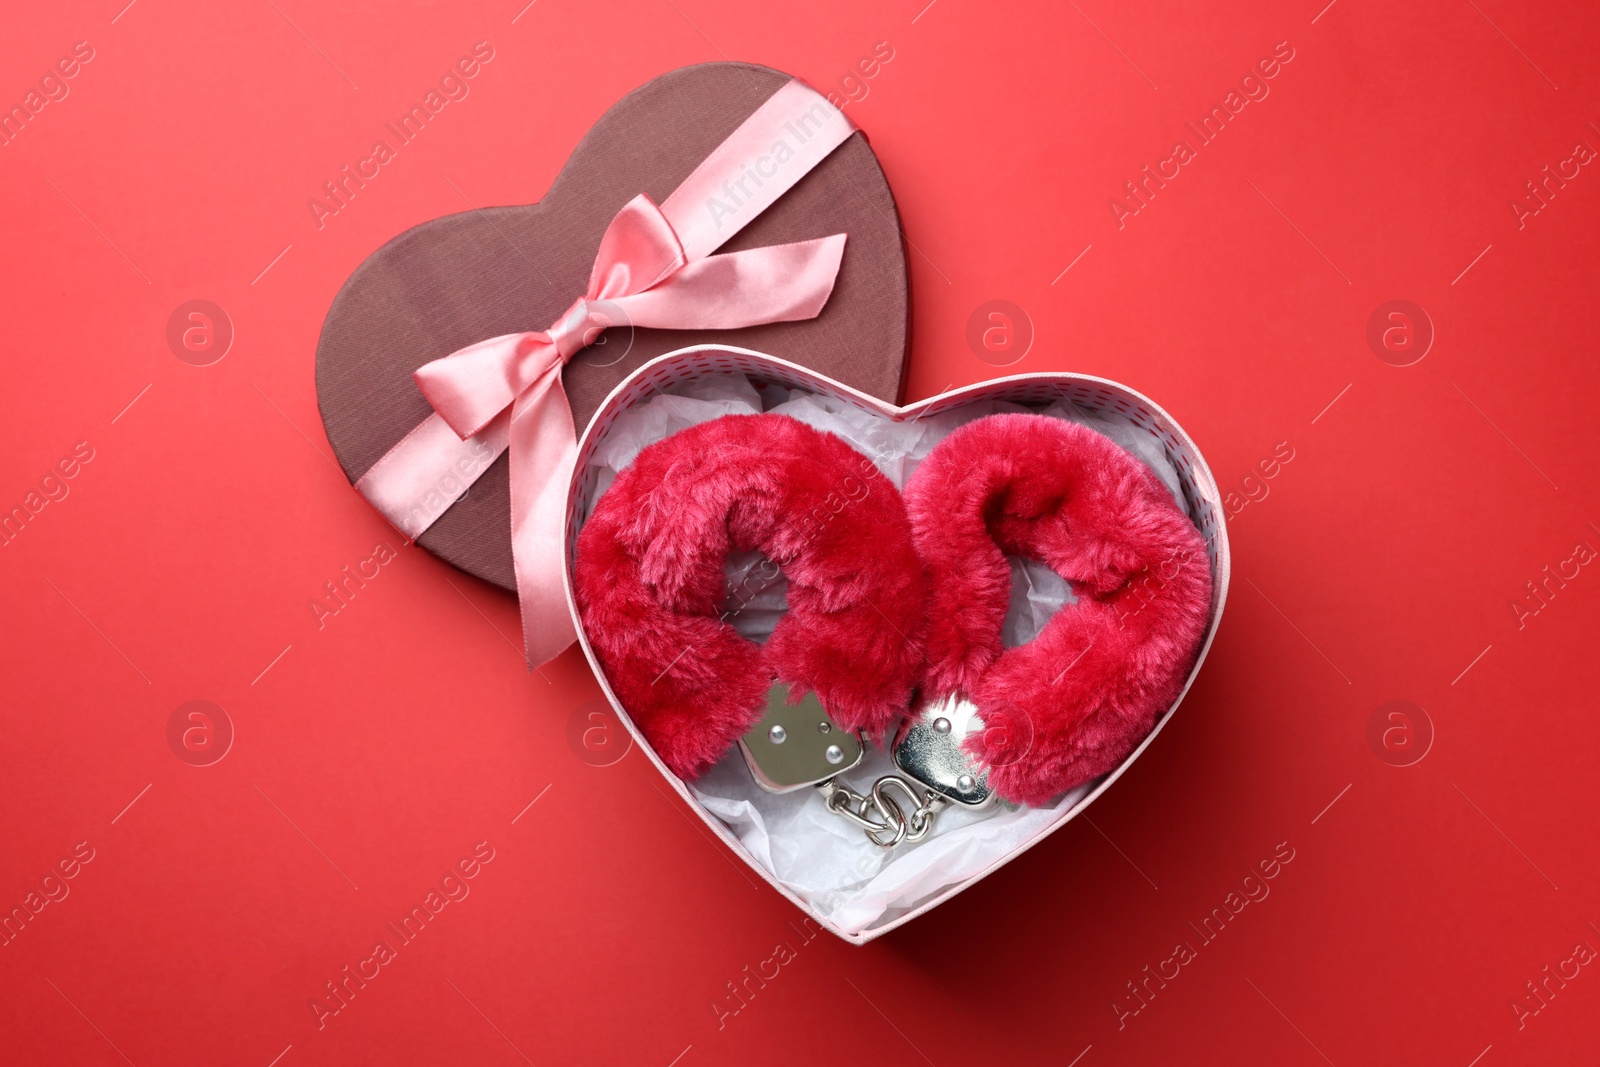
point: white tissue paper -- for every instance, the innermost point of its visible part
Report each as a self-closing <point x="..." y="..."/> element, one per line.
<point x="823" y="859"/>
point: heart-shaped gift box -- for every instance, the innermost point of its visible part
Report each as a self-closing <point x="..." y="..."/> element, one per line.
<point x="870" y="898"/>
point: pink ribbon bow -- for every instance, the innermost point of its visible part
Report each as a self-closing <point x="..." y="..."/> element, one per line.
<point x="506" y="392"/>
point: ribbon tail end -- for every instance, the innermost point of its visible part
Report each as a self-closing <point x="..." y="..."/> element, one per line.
<point x="547" y="643"/>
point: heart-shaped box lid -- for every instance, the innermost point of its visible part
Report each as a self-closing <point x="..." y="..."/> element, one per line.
<point x="458" y="280"/>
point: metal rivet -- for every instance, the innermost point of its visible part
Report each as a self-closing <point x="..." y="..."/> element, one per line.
<point x="941" y="726"/>
<point x="834" y="754"/>
<point x="965" y="783"/>
<point x="824" y="726"/>
<point x="777" y="735"/>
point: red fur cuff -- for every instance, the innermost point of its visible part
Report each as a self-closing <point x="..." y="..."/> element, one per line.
<point x="649" y="577"/>
<point x="1069" y="705"/>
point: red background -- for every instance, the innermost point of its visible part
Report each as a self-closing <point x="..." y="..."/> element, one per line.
<point x="372" y="754"/>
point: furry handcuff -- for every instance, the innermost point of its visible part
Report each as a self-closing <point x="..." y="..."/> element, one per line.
<point x="1037" y="720"/>
<point x="650" y="588"/>
<point x="891" y="598"/>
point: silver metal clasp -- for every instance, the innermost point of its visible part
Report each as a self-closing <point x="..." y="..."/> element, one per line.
<point x="796" y="745"/>
<point x="929" y="750"/>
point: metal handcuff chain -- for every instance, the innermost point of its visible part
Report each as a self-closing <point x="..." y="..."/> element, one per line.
<point x="881" y="817"/>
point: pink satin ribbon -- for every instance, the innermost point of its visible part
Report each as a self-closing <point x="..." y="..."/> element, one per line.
<point x="653" y="269"/>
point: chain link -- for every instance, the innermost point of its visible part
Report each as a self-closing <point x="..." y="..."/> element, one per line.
<point x="879" y="815"/>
